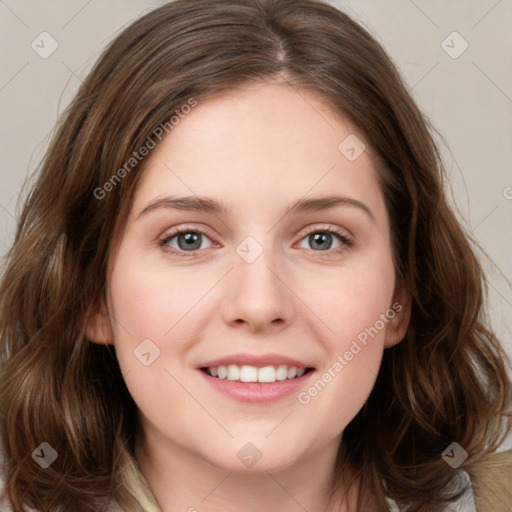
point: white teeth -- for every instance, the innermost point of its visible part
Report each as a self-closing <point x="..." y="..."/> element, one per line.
<point x="292" y="372"/>
<point x="267" y="374"/>
<point x="233" y="372"/>
<point x="282" y="372"/>
<point x="246" y="373"/>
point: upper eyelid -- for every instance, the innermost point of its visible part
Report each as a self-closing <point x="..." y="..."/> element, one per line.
<point x="172" y="232"/>
<point x="327" y="227"/>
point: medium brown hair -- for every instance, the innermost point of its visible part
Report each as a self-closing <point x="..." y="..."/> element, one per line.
<point x="446" y="381"/>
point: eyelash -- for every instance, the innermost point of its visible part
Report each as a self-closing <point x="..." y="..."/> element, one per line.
<point x="347" y="243"/>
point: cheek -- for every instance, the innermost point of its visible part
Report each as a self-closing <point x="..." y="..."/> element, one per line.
<point x="152" y="309"/>
<point x="351" y="301"/>
<point x="355" y="306"/>
<point x="353" y="355"/>
<point x="149" y="301"/>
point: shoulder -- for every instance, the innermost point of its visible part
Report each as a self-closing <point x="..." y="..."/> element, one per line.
<point x="491" y="476"/>
<point x="466" y="503"/>
<point x="5" y="506"/>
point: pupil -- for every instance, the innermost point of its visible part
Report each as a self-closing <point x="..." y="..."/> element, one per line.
<point x="321" y="240"/>
<point x="192" y="241"/>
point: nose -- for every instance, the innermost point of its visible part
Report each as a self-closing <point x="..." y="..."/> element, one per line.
<point x="257" y="295"/>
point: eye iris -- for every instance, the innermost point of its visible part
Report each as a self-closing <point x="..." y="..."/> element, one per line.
<point x="323" y="239"/>
<point x="191" y="241"/>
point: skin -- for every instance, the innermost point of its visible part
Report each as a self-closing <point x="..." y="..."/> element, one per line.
<point x="258" y="149"/>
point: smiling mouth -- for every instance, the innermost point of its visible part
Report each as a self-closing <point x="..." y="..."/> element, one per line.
<point x="247" y="373"/>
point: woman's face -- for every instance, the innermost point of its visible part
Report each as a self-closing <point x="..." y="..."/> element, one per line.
<point x="284" y="263"/>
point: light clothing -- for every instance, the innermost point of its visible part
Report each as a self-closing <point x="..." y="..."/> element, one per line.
<point x="465" y="504"/>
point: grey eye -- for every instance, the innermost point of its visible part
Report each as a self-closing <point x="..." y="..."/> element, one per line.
<point x="321" y="241"/>
<point x="187" y="240"/>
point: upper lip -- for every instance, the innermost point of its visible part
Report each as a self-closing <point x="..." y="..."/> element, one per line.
<point x="259" y="361"/>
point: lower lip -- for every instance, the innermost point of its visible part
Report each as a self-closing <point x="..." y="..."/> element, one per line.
<point x="257" y="392"/>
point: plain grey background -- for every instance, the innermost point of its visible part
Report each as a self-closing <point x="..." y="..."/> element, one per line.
<point x="455" y="57"/>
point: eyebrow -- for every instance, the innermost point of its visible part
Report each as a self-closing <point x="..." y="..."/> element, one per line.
<point x="208" y="205"/>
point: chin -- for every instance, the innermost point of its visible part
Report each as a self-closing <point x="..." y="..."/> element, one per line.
<point x="254" y="458"/>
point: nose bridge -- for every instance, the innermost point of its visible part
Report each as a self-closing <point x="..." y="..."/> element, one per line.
<point x="257" y="295"/>
<point x="252" y="266"/>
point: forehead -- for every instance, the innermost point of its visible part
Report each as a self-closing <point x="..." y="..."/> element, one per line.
<point x="261" y="143"/>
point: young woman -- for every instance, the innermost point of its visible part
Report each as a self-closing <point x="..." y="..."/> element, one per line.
<point x="237" y="285"/>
